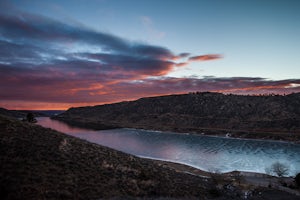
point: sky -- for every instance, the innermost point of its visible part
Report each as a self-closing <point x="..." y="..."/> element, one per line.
<point x="57" y="54"/>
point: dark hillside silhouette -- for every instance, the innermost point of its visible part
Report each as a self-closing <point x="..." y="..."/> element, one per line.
<point x="248" y="116"/>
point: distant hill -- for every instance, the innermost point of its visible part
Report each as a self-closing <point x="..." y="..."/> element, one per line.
<point x="12" y="113"/>
<point x="272" y="117"/>
<point x="23" y="113"/>
<point x="43" y="113"/>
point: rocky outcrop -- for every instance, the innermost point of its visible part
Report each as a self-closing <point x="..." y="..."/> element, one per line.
<point x="250" y="116"/>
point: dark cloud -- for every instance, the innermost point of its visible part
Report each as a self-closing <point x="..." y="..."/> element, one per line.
<point x="127" y="63"/>
<point x="39" y="30"/>
<point x="46" y="43"/>
<point x="24" y="53"/>
<point x="152" y="51"/>
<point x="184" y="55"/>
<point x="28" y="28"/>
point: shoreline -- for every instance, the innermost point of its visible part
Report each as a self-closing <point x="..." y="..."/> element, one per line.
<point x="193" y="169"/>
<point x="193" y="135"/>
<point x="201" y="131"/>
<point x="182" y="167"/>
<point x="243" y="179"/>
<point x="216" y="136"/>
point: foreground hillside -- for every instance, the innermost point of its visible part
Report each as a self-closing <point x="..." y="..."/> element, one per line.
<point x="39" y="163"/>
<point x="268" y="117"/>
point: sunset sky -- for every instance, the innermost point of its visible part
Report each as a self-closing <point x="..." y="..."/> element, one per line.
<point x="58" y="54"/>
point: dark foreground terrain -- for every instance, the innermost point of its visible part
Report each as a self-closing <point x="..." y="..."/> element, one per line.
<point x="39" y="163"/>
<point x="263" y="117"/>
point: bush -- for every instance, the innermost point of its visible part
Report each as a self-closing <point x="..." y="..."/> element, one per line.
<point x="297" y="179"/>
<point x="278" y="169"/>
<point x="30" y="118"/>
<point x="214" y="192"/>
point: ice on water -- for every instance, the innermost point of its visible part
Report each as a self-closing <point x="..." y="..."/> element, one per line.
<point x="204" y="152"/>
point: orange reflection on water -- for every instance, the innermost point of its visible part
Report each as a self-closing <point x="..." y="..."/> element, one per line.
<point x="60" y="126"/>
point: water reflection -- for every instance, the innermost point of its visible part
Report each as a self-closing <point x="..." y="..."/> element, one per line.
<point x="207" y="153"/>
<point x="60" y="126"/>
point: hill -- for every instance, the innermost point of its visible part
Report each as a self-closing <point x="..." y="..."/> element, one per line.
<point x="23" y="113"/>
<point x="268" y="117"/>
<point x="39" y="163"/>
<point x="12" y="113"/>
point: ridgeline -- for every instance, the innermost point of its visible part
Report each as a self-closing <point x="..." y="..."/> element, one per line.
<point x="262" y="117"/>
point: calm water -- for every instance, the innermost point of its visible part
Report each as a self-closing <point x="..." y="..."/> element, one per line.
<point x="203" y="152"/>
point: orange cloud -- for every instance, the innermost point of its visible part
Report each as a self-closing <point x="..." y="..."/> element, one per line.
<point x="55" y="96"/>
<point x="206" y="57"/>
<point x="181" y="64"/>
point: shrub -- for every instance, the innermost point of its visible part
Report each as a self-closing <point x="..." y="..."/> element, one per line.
<point x="278" y="169"/>
<point x="297" y="179"/>
<point x="214" y="192"/>
<point x="30" y="118"/>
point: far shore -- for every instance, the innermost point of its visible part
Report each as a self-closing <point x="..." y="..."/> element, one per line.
<point x="282" y="136"/>
<point x="222" y="135"/>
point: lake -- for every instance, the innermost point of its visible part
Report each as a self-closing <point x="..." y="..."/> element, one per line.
<point x="203" y="152"/>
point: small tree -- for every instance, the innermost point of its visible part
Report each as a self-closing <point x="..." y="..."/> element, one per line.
<point x="278" y="169"/>
<point x="30" y="118"/>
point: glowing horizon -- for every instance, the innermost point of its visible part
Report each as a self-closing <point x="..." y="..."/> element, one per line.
<point x="59" y="54"/>
<point x="51" y="106"/>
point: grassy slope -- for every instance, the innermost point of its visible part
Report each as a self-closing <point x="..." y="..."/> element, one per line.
<point x="39" y="163"/>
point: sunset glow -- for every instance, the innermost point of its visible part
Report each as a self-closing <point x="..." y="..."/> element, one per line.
<point x="62" y="54"/>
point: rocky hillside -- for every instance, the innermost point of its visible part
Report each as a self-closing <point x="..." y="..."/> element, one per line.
<point x="211" y="113"/>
